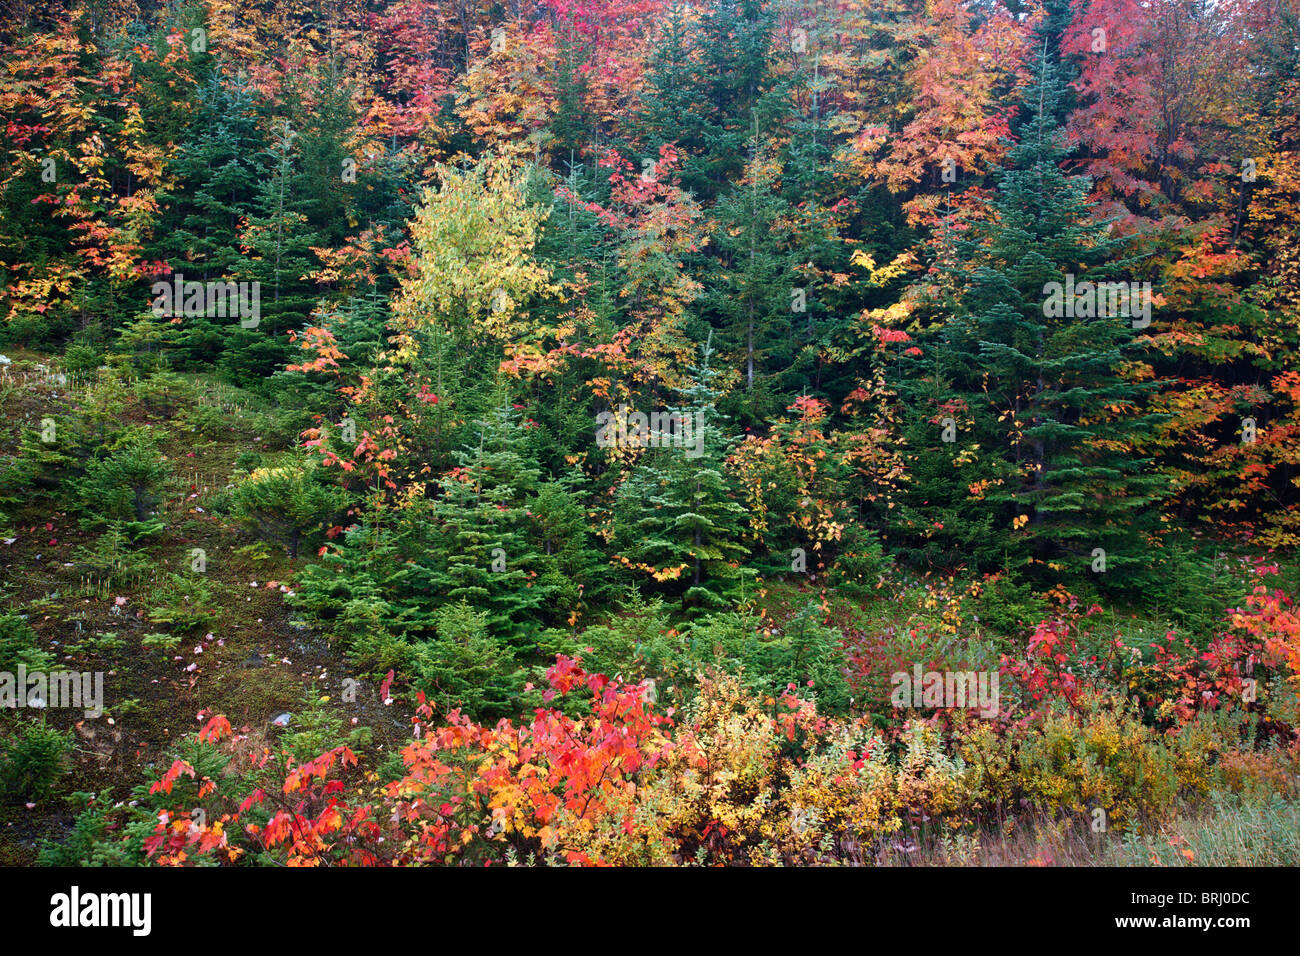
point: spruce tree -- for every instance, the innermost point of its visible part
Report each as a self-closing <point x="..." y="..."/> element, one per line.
<point x="216" y="182"/>
<point x="671" y="107"/>
<point x="478" y="550"/>
<point x="677" y="516"/>
<point x="750" y="294"/>
<point x="701" y="87"/>
<point x="1046" y="390"/>
<point x="279" y="242"/>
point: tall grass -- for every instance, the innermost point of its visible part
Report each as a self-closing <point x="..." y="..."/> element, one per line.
<point x="1228" y="830"/>
<point x="1263" y="831"/>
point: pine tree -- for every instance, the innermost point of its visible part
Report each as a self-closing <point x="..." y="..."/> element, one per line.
<point x="359" y="591"/>
<point x="677" y="516"/>
<point x="750" y="298"/>
<point x="465" y="667"/>
<point x="216" y="185"/>
<point x="1046" y="391"/>
<point x="478" y="549"/>
<point x="279" y="243"/>
<point x="671" y="109"/>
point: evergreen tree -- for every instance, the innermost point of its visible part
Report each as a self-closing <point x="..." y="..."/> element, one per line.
<point x="279" y="257"/>
<point x="570" y="129"/>
<point x="287" y="503"/>
<point x="750" y="297"/>
<point x="216" y="185"/>
<point x="1045" y="384"/>
<point x="465" y="667"/>
<point x="735" y="39"/>
<point x="575" y="573"/>
<point x="478" y="548"/>
<point x="670" y="109"/>
<point x="702" y="85"/>
<point x="677" y="516"/>
<point x="216" y="182"/>
<point x="360" y="592"/>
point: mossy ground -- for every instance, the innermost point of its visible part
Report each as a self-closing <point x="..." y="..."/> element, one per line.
<point x="256" y="663"/>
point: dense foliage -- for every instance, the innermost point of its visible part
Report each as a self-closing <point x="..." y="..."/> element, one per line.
<point x="635" y="389"/>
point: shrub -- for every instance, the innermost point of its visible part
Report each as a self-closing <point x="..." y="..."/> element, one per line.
<point x="1105" y="758"/>
<point x="279" y="429"/>
<point x="465" y="667"/>
<point x="637" y="642"/>
<point x="861" y="560"/>
<point x="211" y="422"/>
<point x="33" y="761"/>
<point x="111" y="557"/>
<point x="95" y="839"/>
<point x="773" y="655"/>
<point x="18" y="645"/>
<point x="187" y="602"/>
<point x="125" y="484"/>
<point x="81" y="359"/>
<point x="317" y="727"/>
<point x="287" y="503"/>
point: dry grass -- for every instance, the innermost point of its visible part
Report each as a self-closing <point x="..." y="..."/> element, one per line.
<point x="1228" y="830"/>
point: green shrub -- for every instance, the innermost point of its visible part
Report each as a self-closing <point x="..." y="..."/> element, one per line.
<point x="636" y="642"/>
<point x="287" y="503"/>
<point x="95" y="839"/>
<point x="465" y="667"/>
<point x="280" y="429"/>
<point x="18" y="645"/>
<point x="353" y="589"/>
<point x="317" y="727"/>
<point x="125" y="484"/>
<point x="162" y="393"/>
<point x="773" y="655"/>
<point x="79" y="359"/>
<point x="165" y="642"/>
<point x="33" y="761"/>
<point x="112" y="557"/>
<point x="861" y="561"/>
<point x="248" y="461"/>
<point x="187" y="602"/>
<point x="377" y="650"/>
<point x="1009" y="607"/>
<point x="208" y="420"/>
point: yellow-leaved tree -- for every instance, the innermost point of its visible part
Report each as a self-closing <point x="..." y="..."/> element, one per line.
<point x="475" y="273"/>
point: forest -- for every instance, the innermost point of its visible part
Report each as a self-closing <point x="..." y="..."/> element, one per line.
<point x="649" y="433"/>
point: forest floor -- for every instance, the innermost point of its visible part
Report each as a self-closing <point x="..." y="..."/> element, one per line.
<point x="241" y="653"/>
